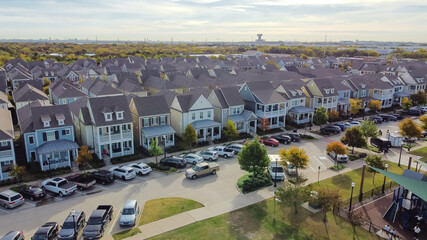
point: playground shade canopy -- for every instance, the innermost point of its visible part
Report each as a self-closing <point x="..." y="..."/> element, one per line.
<point x="417" y="187"/>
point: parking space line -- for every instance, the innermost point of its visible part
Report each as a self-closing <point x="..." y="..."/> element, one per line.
<point x="59" y="198"/>
<point x="114" y="222"/>
<point x="29" y="203"/>
<point x="102" y="187"/>
<point x="311" y="166"/>
<point x="121" y="182"/>
<point x="318" y="159"/>
<point x="5" y="211"/>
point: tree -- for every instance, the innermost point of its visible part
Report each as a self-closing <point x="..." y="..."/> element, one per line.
<point x="265" y="124"/>
<point x="84" y="158"/>
<point x="320" y="117"/>
<point x="337" y="148"/>
<point x="419" y="98"/>
<point x="333" y="116"/>
<point x="353" y="137"/>
<point x="155" y="149"/>
<point x="18" y="172"/>
<point x="295" y="156"/>
<point x="409" y="128"/>
<point x="406" y="103"/>
<point x="253" y="158"/>
<point x="46" y="82"/>
<point x="295" y="194"/>
<point x="374" y="105"/>
<point x="369" y="129"/>
<point x="423" y="120"/>
<point x="46" y="90"/>
<point x="230" y="130"/>
<point x="374" y="161"/>
<point x="355" y="106"/>
<point x="329" y="199"/>
<point x="190" y="136"/>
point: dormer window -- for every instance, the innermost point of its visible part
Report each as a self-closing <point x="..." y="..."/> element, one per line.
<point x="363" y="85"/>
<point x="108" y="117"/>
<point x="119" y="115"/>
<point x="327" y="91"/>
<point x="332" y="90"/>
<point x="46" y="120"/>
<point x="60" y="118"/>
<point x="46" y="124"/>
<point x="61" y="122"/>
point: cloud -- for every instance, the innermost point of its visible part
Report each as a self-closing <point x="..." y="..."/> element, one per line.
<point x="186" y="20"/>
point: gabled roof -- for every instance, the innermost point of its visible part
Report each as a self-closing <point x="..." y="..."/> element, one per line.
<point x="30" y="116"/>
<point x="97" y="105"/>
<point x="231" y="96"/>
<point x="29" y="93"/>
<point x="6" y="126"/>
<point x="265" y="92"/>
<point x="152" y="105"/>
<point x="66" y="90"/>
<point x="186" y="101"/>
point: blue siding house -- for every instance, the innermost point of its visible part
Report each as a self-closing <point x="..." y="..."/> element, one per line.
<point x="48" y="135"/>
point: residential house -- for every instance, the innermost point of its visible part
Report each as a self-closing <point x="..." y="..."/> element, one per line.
<point x="95" y="87"/>
<point x="112" y="127"/>
<point x="7" y="152"/>
<point x="48" y="135"/>
<point x="63" y="92"/>
<point x="229" y="105"/>
<point x="4" y="101"/>
<point x="261" y="98"/>
<point x="194" y="109"/>
<point x="151" y="120"/>
<point x="27" y="94"/>
<point x="321" y="93"/>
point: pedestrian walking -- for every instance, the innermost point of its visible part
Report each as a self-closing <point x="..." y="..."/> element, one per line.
<point x="417" y="231"/>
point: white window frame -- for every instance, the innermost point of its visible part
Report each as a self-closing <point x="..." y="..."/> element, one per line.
<point x="46" y="124"/>
<point x="146" y="122"/>
<point x="209" y="114"/>
<point x="154" y="121"/>
<point x="119" y="115"/>
<point x="108" y="117"/>
<point x="67" y="131"/>
<point x="29" y="141"/>
<point x="201" y="115"/>
<point x="49" y="134"/>
<point x="61" y="122"/>
<point x="4" y="143"/>
<point x="193" y="116"/>
<point x="163" y="120"/>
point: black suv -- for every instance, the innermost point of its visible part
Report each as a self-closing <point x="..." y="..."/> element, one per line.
<point x="48" y="231"/>
<point x="173" y="161"/>
<point x="282" y="138"/>
<point x="330" y="129"/>
<point x="72" y="225"/>
<point x="295" y="137"/>
<point x="103" y="176"/>
<point x="376" y="119"/>
<point x="412" y="112"/>
<point x="387" y="117"/>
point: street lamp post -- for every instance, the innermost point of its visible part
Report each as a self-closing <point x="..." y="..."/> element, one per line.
<point x="382" y="190"/>
<point x="318" y="174"/>
<point x="274" y="207"/>
<point x="74" y="226"/>
<point x="351" y="198"/>
<point x="275" y="177"/>
<point x="400" y="155"/>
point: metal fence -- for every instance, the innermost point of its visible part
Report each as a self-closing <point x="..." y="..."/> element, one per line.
<point x="368" y="194"/>
<point x="381" y="232"/>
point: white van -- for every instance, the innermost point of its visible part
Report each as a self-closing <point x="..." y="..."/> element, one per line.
<point x="275" y="169"/>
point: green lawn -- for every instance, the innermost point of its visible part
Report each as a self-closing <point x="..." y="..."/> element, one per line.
<point x="126" y="234"/>
<point x="343" y="181"/>
<point x="157" y="209"/>
<point x="422" y="152"/>
<point x="256" y="222"/>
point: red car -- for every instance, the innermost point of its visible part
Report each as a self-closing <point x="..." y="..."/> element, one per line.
<point x="270" y="142"/>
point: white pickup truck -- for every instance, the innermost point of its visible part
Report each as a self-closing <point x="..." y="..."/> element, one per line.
<point x="222" y="151"/>
<point x="59" y="186"/>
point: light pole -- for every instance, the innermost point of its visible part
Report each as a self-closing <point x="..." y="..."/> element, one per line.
<point x="274" y="207"/>
<point x="351" y="198"/>
<point x="382" y="190"/>
<point x="275" y="177"/>
<point x="400" y="155"/>
<point x="74" y="225"/>
<point x="318" y="174"/>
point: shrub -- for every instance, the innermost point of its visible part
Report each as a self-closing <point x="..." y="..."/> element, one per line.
<point x="176" y="148"/>
<point x="307" y="137"/>
<point x="18" y="188"/>
<point x="221" y="140"/>
<point x="160" y="167"/>
<point x="297" y="180"/>
<point x="337" y="167"/>
<point x="363" y="155"/>
<point x="247" y="183"/>
<point x="203" y="144"/>
<point x="172" y="169"/>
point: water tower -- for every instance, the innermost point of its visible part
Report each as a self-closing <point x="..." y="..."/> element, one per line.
<point x="259" y="37"/>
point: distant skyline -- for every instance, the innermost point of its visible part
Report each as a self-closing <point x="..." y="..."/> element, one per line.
<point x="215" y="20"/>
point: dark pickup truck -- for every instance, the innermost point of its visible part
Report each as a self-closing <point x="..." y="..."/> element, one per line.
<point x="97" y="222"/>
<point x="82" y="181"/>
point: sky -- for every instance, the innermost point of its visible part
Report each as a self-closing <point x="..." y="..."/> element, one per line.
<point x="215" y="20"/>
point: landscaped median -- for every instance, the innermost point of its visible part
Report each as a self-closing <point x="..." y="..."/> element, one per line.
<point x="247" y="183"/>
<point x="157" y="209"/>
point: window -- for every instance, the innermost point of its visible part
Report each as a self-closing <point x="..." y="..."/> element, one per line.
<point x="46" y="124"/>
<point x="319" y="100"/>
<point x="56" y="155"/>
<point x="61" y="122"/>
<point x="31" y="139"/>
<point x="209" y="114"/>
<point x="162" y="120"/>
<point x="146" y="122"/>
<point x="50" y="136"/>
<point x="193" y="116"/>
<point x="33" y="155"/>
<point x="201" y="115"/>
<point x="108" y="117"/>
<point x="154" y="120"/>
<point x="66" y="132"/>
<point x="119" y="115"/>
<point x="4" y="143"/>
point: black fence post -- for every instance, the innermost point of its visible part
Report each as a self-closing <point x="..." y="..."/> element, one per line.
<point x="370" y="225"/>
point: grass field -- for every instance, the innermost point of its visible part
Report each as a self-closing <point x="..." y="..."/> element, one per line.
<point x="157" y="209"/>
<point x="422" y="152"/>
<point x="256" y="222"/>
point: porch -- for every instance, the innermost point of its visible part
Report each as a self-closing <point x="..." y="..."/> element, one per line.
<point x="115" y="149"/>
<point x="343" y="105"/>
<point x="111" y="133"/>
<point x="56" y="154"/>
<point x="245" y="122"/>
<point x="301" y="115"/>
<point x="163" y="134"/>
<point x="207" y="130"/>
<point x="6" y="167"/>
<point x="398" y="97"/>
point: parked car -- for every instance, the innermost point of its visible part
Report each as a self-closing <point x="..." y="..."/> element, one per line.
<point x="424" y="134"/>
<point x="222" y="151"/>
<point x="295" y="137"/>
<point x="330" y="129"/>
<point x="355" y="123"/>
<point x="129" y="213"/>
<point x="282" y="138"/>
<point x="173" y="161"/>
<point x="383" y="144"/>
<point x="59" y="186"/>
<point x="276" y="171"/>
<point x="13" y="235"/>
<point x="387" y="117"/>
<point x="48" y="231"/>
<point x="97" y="222"/>
<point x="412" y="112"/>
<point x="290" y="169"/>
<point x="340" y="125"/>
<point x="72" y="225"/>
<point x="141" y="168"/>
<point x="423" y="109"/>
<point x="410" y="140"/>
<point x="103" y="176"/>
<point x="83" y="182"/>
<point x="375" y="119"/>
<point x="208" y="155"/>
<point x="32" y="192"/>
<point x="398" y="116"/>
<point x="348" y="125"/>
<point x="192" y="158"/>
<point x="235" y="147"/>
<point x="270" y="142"/>
<point x="202" y="169"/>
<point x="123" y="172"/>
<point x="11" y="199"/>
<point x="338" y="158"/>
